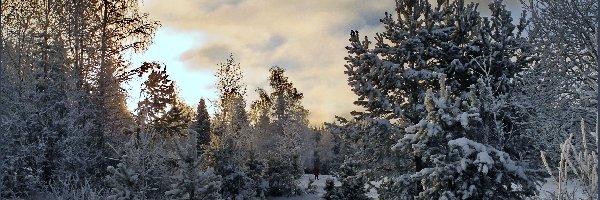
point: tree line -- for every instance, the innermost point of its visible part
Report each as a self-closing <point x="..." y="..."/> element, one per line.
<point x="454" y="105"/>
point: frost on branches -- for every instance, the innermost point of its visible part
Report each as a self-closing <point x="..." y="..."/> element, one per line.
<point x="140" y="171"/>
<point x="576" y="158"/>
<point x="564" y="80"/>
<point x="450" y="166"/>
<point x="353" y="183"/>
<point x="190" y="181"/>
<point x="396" y="76"/>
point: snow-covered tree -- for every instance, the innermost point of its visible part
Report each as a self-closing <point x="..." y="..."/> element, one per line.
<point x="281" y="173"/>
<point x="564" y="79"/>
<point x="256" y="168"/>
<point x="61" y="101"/>
<point x="229" y="145"/>
<point x="452" y="166"/>
<point x="121" y="28"/>
<point x="191" y="181"/>
<point x="325" y="155"/>
<point x="141" y="168"/>
<point x="422" y="43"/>
<point x="280" y="121"/>
<point x="353" y="183"/>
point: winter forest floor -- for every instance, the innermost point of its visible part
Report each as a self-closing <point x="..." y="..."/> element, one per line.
<point x="303" y="183"/>
<point x="320" y="188"/>
<point x="546" y="190"/>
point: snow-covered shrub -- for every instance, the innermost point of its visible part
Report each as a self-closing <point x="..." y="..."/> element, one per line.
<point x="190" y="180"/>
<point x="126" y="184"/>
<point x="141" y="170"/>
<point x="310" y="187"/>
<point x="332" y="192"/>
<point x="21" y="158"/>
<point x="577" y="162"/>
<point x="451" y="165"/>
<point x="353" y="183"/>
<point x="224" y="157"/>
<point x="282" y="173"/>
<point x="196" y="184"/>
<point x="255" y="169"/>
<point x="74" y="188"/>
<point x="237" y="184"/>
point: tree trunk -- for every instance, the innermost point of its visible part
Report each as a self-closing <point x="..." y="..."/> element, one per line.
<point x="103" y="74"/>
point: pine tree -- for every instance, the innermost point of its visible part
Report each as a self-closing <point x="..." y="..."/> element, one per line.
<point x="122" y="28"/>
<point x="280" y="120"/>
<point x="420" y="45"/>
<point x="440" y="141"/>
<point x="161" y="109"/>
<point x="202" y="126"/>
<point x="176" y="120"/>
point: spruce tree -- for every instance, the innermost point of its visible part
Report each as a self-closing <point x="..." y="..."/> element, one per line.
<point x="202" y="126"/>
<point x="176" y="120"/>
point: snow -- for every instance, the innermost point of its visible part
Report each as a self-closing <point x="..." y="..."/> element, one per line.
<point x="485" y="160"/>
<point x="483" y="157"/>
<point x="320" y="185"/>
<point x="464" y="119"/>
<point x="373" y="191"/>
<point x="303" y="183"/>
<point x="549" y="187"/>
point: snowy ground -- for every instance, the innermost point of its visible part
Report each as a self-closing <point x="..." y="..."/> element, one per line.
<point x="303" y="183"/>
<point x="546" y="190"/>
<point x="320" y="185"/>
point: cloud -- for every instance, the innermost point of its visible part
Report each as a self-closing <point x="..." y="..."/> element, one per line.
<point x="308" y="38"/>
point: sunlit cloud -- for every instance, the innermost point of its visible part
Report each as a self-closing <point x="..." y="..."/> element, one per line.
<point x="308" y="38"/>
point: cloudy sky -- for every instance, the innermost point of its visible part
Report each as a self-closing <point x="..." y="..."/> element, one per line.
<point x="307" y="38"/>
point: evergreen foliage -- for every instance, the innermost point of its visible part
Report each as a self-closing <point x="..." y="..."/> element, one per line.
<point x="395" y="79"/>
<point x="141" y="169"/>
<point x="453" y="105"/>
<point x="201" y="125"/>
<point x="190" y="181"/>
